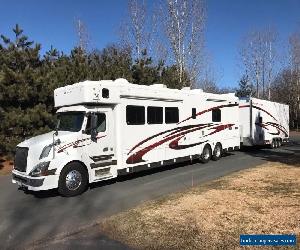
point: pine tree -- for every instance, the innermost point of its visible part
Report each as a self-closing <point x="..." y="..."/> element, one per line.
<point x="245" y="89"/>
<point x="23" y="112"/>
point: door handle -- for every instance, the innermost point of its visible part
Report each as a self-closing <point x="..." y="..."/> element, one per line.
<point x="105" y="149"/>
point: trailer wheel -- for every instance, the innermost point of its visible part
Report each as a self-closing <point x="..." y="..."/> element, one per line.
<point x="73" y="180"/>
<point x="206" y="154"/>
<point x="217" y="154"/>
<point x="279" y="143"/>
<point x="273" y="144"/>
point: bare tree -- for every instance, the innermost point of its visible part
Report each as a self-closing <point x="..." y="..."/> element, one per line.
<point x="134" y="31"/>
<point x="258" y="57"/>
<point x="294" y="43"/>
<point x="83" y="35"/>
<point x="183" y="22"/>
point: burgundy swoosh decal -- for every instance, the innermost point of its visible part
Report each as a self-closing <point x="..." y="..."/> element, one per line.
<point x="174" y="131"/>
<point x="210" y="109"/>
<point x="264" y="111"/>
<point x="219" y="128"/>
<point x="75" y="144"/>
<point x="262" y="125"/>
<point x="174" y="144"/>
<point x="153" y="136"/>
<point x="261" y="109"/>
<point x="137" y="157"/>
<point x="199" y="126"/>
<point x="274" y="125"/>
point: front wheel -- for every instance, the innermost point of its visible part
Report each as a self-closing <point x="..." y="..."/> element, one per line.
<point x="73" y="180"/>
<point x="206" y="154"/>
<point x="217" y="152"/>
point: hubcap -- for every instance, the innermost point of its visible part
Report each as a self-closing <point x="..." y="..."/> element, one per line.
<point x="73" y="180"/>
<point x="206" y="153"/>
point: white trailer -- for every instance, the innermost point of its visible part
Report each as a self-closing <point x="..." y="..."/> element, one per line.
<point x="263" y="122"/>
<point x="109" y="128"/>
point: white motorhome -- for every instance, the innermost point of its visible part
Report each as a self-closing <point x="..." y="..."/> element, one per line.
<point x="263" y="122"/>
<point x="109" y="128"/>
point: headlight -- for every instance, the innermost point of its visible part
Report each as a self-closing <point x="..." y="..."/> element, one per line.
<point x="40" y="169"/>
<point x="46" y="151"/>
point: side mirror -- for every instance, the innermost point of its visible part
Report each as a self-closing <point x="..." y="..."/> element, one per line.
<point x="94" y="122"/>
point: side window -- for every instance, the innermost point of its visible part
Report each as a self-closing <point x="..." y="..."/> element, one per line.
<point x="154" y="115"/>
<point x="135" y="115"/>
<point x="216" y="115"/>
<point x="260" y="120"/>
<point x="101" y="123"/>
<point x="171" y="115"/>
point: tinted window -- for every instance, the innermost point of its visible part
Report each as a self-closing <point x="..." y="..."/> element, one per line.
<point x="105" y="93"/>
<point x="70" y="121"/>
<point x="101" y="123"/>
<point x="135" y="115"/>
<point x="155" y="115"/>
<point x="216" y="115"/>
<point x="171" y="115"/>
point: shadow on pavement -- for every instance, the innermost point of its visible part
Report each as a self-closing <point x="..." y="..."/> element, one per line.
<point x="289" y="153"/>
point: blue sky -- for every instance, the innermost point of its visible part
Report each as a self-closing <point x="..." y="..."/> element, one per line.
<point x="53" y="23"/>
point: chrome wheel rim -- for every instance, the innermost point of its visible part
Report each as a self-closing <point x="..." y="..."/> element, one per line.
<point x="218" y="151"/>
<point x="73" y="180"/>
<point x="206" y="154"/>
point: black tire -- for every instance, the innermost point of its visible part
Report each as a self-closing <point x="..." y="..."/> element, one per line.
<point x="206" y="154"/>
<point x="279" y="143"/>
<point x="217" y="154"/>
<point x="80" y="180"/>
<point x="276" y="144"/>
<point x="273" y="144"/>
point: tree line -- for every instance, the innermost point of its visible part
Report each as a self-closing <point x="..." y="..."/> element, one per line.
<point x="27" y="80"/>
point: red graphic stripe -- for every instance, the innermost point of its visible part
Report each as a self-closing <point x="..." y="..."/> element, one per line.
<point x="261" y="109"/>
<point x="75" y="144"/>
<point x="208" y="110"/>
<point x="151" y="137"/>
<point x="137" y="157"/>
<point x="220" y="128"/>
<point x="264" y="111"/>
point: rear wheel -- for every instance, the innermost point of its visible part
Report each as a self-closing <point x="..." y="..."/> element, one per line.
<point x="217" y="152"/>
<point x="279" y="143"/>
<point x="206" y="154"/>
<point x="73" y="180"/>
<point x="273" y="144"/>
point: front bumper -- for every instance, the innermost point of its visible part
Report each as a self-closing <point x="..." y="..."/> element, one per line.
<point x="34" y="183"/>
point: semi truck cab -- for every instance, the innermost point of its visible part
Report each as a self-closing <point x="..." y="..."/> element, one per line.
<point x="83" y="137"/>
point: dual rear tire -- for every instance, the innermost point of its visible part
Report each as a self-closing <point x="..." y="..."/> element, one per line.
<point x="276" y="143"/>
<point x="208" y="154"/>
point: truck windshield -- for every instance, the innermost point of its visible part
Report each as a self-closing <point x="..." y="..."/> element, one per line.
<point x="70" y="121"/>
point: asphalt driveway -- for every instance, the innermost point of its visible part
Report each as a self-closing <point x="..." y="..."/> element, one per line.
<point x="28" y="217"/>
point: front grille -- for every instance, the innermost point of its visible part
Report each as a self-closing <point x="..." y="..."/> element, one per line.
<point x="21" y="159"/>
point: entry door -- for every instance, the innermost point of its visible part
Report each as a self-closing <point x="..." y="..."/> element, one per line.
<point x="101" y="150"/>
